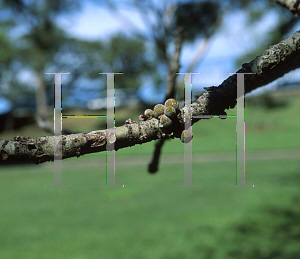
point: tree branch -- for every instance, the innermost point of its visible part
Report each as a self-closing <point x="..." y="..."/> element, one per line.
<point x="273" y="63"/>
<point x="270" y="65"/>
<point x="292" y="5"/>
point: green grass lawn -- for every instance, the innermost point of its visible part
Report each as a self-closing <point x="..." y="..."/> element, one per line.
<point x="149" y="217"/>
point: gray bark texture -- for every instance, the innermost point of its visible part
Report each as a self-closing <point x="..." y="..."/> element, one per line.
<point x="292" y="5"/>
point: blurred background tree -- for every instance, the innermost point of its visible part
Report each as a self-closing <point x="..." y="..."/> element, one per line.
<point x="128" y="222"/>
<point x="42" y="46"/>
<point x="32" y="43"/>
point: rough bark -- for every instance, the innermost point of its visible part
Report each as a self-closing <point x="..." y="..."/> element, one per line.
<point x="270" y="65"/>
<point x="292" y="5"/>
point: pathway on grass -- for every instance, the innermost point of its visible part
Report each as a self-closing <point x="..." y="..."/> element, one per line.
<point x="197" y="158"/>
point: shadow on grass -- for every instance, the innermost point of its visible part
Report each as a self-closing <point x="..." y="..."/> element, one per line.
<point x="273" y="233"/>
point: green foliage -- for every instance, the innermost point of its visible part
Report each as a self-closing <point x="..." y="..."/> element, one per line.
<point x="40" y="44"/>
<point x="6" y="50"/>
<point x="197" y="18"/>
<point x="34" y="48"/>
<point x="266" y="101"/>
<point x="127" y="55"/>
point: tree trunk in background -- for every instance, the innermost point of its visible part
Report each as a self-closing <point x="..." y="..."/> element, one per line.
<point x="42" y="118"/>
<point x="42" y="113"/>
